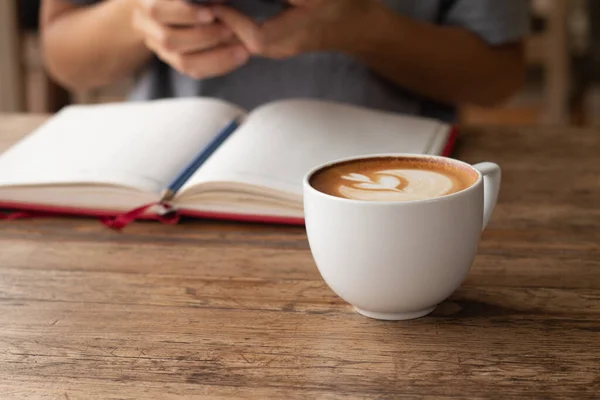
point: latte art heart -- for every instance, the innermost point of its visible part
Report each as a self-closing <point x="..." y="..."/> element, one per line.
<point x="395" y="185"/>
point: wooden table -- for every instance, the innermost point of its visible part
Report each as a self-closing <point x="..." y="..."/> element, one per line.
<point x="222" y="310"/>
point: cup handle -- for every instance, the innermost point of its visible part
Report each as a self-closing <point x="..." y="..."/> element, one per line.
<point x="492" y="175"/>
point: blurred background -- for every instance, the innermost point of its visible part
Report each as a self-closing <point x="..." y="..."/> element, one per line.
<point x="563" y="54"/>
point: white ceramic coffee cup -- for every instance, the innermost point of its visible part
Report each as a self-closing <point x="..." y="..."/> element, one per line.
<point x="399" y="260"/>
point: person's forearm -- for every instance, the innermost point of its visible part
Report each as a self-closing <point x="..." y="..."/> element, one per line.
<point x="448" y="64"/>
<point x="92" y="46"/>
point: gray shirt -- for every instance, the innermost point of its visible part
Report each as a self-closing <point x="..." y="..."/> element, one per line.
<point x="335" y="76"/>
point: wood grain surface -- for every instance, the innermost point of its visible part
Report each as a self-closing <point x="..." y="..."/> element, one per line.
<point x="233" y="311"/>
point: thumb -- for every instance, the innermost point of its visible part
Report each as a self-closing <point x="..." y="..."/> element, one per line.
<point x="300" y="3"/>
<point x="246" y="30"/>
<point x="305" y="3"/>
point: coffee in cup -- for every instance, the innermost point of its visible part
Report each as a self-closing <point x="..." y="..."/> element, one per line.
<point x="395" y="235"/>
<point x="393" y="179"/>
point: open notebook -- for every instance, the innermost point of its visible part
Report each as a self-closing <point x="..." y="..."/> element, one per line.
<point x="108" y="159"/>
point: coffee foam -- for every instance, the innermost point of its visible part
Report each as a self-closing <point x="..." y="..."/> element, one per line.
<point x="393" y="179"/>
<point x="395" y="185"/>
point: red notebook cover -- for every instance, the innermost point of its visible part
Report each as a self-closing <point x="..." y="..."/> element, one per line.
<point x="120" y="220"/>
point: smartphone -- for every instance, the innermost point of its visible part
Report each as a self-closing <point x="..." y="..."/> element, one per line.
<point x="202" y="2"/>
<point x="248" y="7"/>
<point x="207" y="2"/>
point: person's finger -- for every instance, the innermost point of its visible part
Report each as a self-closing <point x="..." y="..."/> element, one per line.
<point x="185" y="40"/>
<point x="208" y="64"/>
<point x="280" y="37"/>
<point x="177" y="12"/>
<point x="244" y="27"/>
<point x="307" y="3"/>
<point x="300" y="3"/>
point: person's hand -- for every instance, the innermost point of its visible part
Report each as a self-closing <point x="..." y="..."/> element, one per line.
<point x="188" y="38"/>
<point x="307" y="26"/>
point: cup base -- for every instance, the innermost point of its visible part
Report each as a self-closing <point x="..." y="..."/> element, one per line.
<point x="395" y="316"/>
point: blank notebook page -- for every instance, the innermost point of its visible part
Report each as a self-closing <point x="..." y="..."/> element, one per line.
<point x="139" y="145"/>
<point x="280" y="143"/>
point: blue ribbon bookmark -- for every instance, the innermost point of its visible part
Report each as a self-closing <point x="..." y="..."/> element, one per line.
<point x="193" y="166"/>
